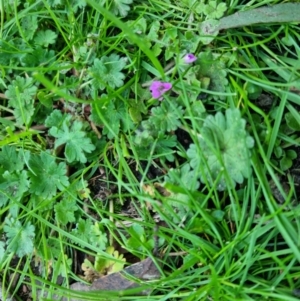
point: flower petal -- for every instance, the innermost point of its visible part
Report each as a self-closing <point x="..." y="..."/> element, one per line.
<point x="157" y="88"/>
<point x="166" y="86"/>
<point x="189" y="58"/>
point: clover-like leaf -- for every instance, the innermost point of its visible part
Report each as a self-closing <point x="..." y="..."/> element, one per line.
<point x="224" y="144"/>
<point x="107" y="71"/>
<point x="213" y="10"/>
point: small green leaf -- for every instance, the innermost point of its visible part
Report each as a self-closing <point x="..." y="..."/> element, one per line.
<point x="39" y="56"/>
<point x="114" y="113"/>
<point x="21" y="98"/>
<point x="44" y="38"/>
<point x="56" y="118"/>
<point x="11" y="159"/>
<point x="153" y="32"/>
<point x="213" y="10"/>
<point x="166" y="117"/>
<point x="136" y="108"/>
<point x="108" y="266"/>
<point x="254" y="91"/>
<point x="121" y="7"/>
<point x="12" y="189"/>
<point x="291" y="154"/>
<point x="292" y="122"/>
<point x="285" y="163"/>
<point x="46" y="175"/>
<point x="19" y="238"/>
<point x="184" y="177"/>
<point x="213" y="68"/>
<point x="75" y="140"/>
<point x="64" y="266"/>
<point x="218" y="215"/>
<point x="2" y="250"/>
<point x="29" y="26"/>
<point x="45" y="99"/>
<point x="64" y="211"/>
<point x="223" y="144"/>
<point x="278" y="151"/>
<point x="164" y="146"/>
<point x="98" y="237"/>
<point x="135" y="114"/>
<point x="82" y="230"/>
<point x="107" y="71"/>
<point x="139" y="27"/>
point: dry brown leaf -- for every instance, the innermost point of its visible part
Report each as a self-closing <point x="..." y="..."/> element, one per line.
<point x="90" y="274"/>
<point x="143" y="270"/>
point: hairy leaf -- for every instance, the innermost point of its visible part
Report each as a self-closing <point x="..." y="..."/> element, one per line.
<point x="91" y="233"/>
<point x="12" y="189"/>
<point x="2" y="250"/>
<point x="44" y="38"/>
<point x="11" y="159"/>
<point x="223" y="146"/>
<point x="29" y="26"/>
<point x="121" y="7"/>
<point x="114" y="113"/>
<point x="19" y="238"/>
<point x="83" y="229"/>
<point x="98" y="237"/>
<point x="56" y="118"/>
<point x="107" y="71"/>
<point x="166" y="117"/>
<point x="184" y="177"/>
<point x="38" y="56"/>
<point x="64" y="211"/>
<point x="214" y="69"/>
<point x="77" y="144"/>
<point x="21" y="98"/>
<point x="46" y="175"/>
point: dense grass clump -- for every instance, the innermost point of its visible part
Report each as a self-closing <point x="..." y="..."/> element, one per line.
<point x="149" y="150"/>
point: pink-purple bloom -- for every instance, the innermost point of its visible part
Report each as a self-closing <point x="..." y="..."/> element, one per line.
<point x="189" y="58"/>
<point x="158" y="88"/>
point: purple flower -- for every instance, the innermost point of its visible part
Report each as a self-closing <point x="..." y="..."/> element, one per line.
<point x="189" y="58"/>
<point x="158" y="88"/>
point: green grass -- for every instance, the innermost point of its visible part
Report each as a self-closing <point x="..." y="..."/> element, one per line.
<point x="238" y="242"/>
